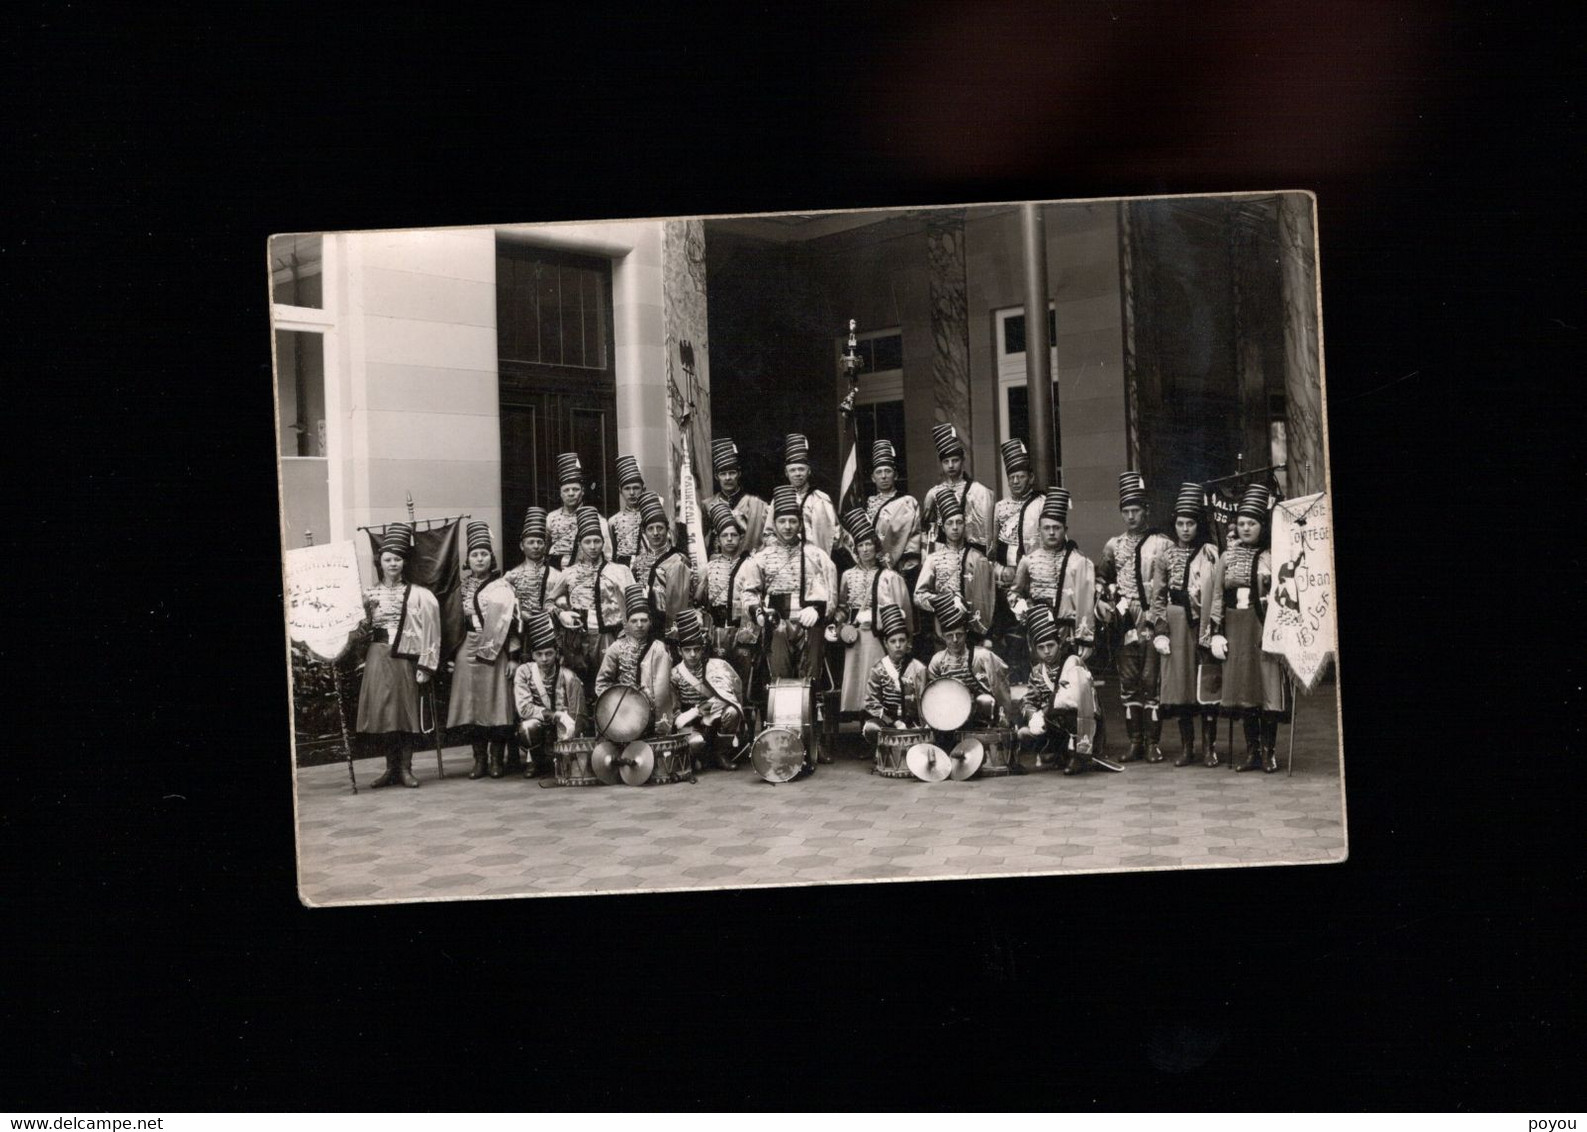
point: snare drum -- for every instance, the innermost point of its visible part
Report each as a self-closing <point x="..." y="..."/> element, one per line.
<point x="998" y="745"/>
<point x="622" y="714"/>
<point x="946" y="704"/>
<point x="673" y="763"/>
<point x="571" y="760"/>
<point x="891" y="747"/>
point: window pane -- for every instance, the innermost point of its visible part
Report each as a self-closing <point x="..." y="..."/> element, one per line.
<point x="1014" y="332"/>
<point x="888" y="352"/>
<point x="590" y="317"/>
<point x="295" y="276"/>
<point x="1019" y="420"/>
<point x="300" y="392"/>
<point x="549" y="291"/>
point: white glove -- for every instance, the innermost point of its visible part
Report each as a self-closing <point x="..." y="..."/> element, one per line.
<point x="565" y="725"/>
<point x="900" y="725"/>
<point x="422" y="676"/>
<point x="569" y="619"/>
<point x="1160" y="643"/>
<point x="1037" y="724"/>
<point x="807" y="616"/>
<point x="1020" y="607"/>
<point x="687" y="717"/>
<point x="1220" y="647"/>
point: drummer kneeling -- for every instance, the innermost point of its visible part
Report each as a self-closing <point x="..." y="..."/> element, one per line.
<point x="1060" y="705"/>
<point x="548" y="697"/>
<point x="980" y="670"/>
<point x="896" y="682"/>
<point x="708" y="695"/>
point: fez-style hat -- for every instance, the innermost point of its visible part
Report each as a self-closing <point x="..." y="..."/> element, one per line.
<point x="397" y="539"/>
<point x="859" y="526"/>
<point x="785" y="501"/>
<point x="947" y="440"/>
<point x="1190" y="504"/>
<point x="628" y="471"/>
<point x="479" y="536"/>
<point x="724" y="454"/>
<point x="1132" y="490"/>
<point x="1016" y="457"/>
<point x="883" y="454"/>
<point x="1039" y="624"/>
<point x="688" y="627"/>
<point x="890" y="619"/>
<point x="542" y="631"/>
<point x="635" y="600"/>
<point x="1056" y="505"/>
<point x="724" y="518"/>
<point x="1256" y="503"/>
<point x="796" y="449"/>
<point x="949" y="615"/>
<point x="651" y="510"/>
<point x="588" y="521"/>
<point x="534" y="523"/>
<point x="569" y="470"/>
<point x="948" y="506"/>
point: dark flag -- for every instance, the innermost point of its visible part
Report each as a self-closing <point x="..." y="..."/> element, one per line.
<point x="436" y="564"/>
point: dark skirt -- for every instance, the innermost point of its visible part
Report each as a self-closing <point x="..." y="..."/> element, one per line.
<point x="389" y="700"/>
<point x="481" y="693"/>
<point x="1251" y="678"/>
<point x="1179" y="666"/>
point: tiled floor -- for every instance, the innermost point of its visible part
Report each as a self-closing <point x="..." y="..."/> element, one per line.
<point x="456" y="839"/>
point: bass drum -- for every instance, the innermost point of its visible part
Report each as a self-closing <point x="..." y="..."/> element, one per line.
<point x="778" y="754"/>
<point x="622" y="714"/>
<point x="788" y="704"/>
<point x="946" y="704"/>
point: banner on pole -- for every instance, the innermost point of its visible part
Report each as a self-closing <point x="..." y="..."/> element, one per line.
<point x="688" y="511"/>
<point x="1300" y="616"/>
<point x="325" y="601"/>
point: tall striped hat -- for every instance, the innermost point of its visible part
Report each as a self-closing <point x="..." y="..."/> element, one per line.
<point x="785" y="501"/>
<point x="688" y="627"/>
<point x="628" y="471"/>
<point x="949" y="615"/>
<point x="1056" y="505"/>
<point x="1039" y="624"/>
<point x="890" y="619"/>
<point x="635" y="600"/>
<point x="948" y="506"/>
<point x="795" y="449"/>
<point x="398" y="539"/>
<point x="1016" y="457"/>
<point x="724" y="454"/>
<point x="1190" y="504"/>
<point x="723" y="518"/>
<point x="1132" y="490"/>
<point x="859" y="526"/>
<point x="947" y="440"/>
<point x="651" y="510"/>
<point x="479" y="536"/>
<point x="1256" y="503"/>
<point x="542" y="631"/>
<point x="588" y="521"/>
<point x="883" y="454"/>
<point x="569" y="470"/>
<point x="534" y="523"/>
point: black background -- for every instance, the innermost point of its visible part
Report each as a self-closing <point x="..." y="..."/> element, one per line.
<point x="164" y="962"/>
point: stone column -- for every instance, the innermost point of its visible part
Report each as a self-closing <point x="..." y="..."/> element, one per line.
<point x="684" y="321"/>
<point x="950" y="326"/>
<point x="1302" y="344"/>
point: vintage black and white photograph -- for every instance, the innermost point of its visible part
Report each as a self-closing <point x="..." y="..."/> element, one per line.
<point x="792" y="549"/>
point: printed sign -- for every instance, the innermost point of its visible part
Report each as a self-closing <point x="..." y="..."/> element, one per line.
<point x="325" y="601"/>
<point x="1300" y="616"/>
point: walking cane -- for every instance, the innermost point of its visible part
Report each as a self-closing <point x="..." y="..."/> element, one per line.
<point x="341" y="716"/>
<point x="435" y="716"/>
<point x="1293" y="705"/>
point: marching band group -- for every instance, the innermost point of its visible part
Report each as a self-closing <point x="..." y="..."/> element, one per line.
<point x="956" y="586"/>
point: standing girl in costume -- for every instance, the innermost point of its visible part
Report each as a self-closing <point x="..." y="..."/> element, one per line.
<point x="404" y="652"/>
<point x="1182" y="591"/>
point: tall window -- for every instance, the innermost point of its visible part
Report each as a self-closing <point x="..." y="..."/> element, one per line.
<point x="552" y="311"/>
<point x="1013" y="398"/>
<point x="304" y="317"/>
<point x="879" y="405"/>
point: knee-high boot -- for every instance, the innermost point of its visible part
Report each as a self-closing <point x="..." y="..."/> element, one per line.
<point x="496" y="754"/>
<point x="1270" y="742"/>
<point x="1152" y="725"/>
<point x="1209" y="739"/>
<point x="405" y="745"/>
<point x="1187" y="740"/>
<point x="1252" y="725"/>
<point x="388" y="746"/>
<point x="1134" y="729"/>
<point x="481" y="753"/>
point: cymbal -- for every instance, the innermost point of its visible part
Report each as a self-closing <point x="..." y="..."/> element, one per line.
<point x="603" y="761"/>
<point x="778" y="754"/>
<point x="966" y="758"/>
<point x="637" y="762"/>
<point x="928" y="762"/>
